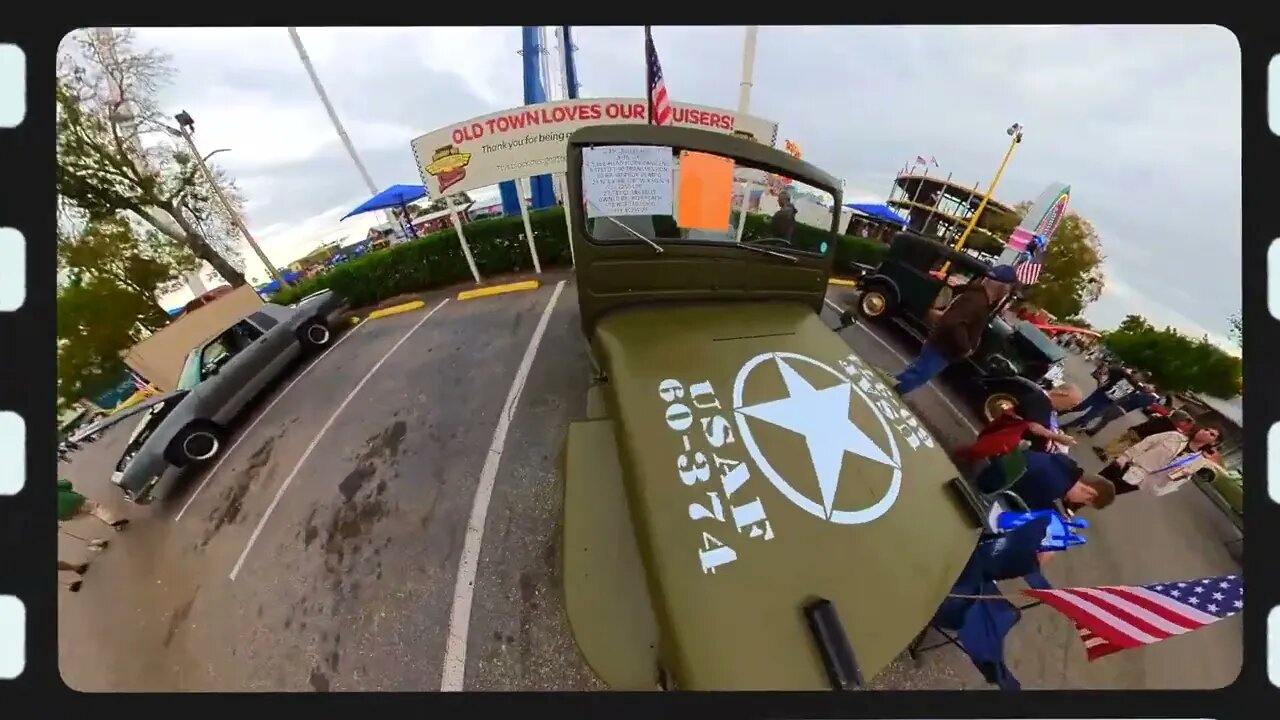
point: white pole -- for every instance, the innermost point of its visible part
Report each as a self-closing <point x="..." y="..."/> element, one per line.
<point x="528" y="227"/>
<point x="462" y="237"/>
<point x="562" y="53"/>
<point x="941" y="193"/>
<point x="744" y="104"/>
<point x="544" y="55"/>
<point x="387" y="216"/>
<point x="563" y="186"/>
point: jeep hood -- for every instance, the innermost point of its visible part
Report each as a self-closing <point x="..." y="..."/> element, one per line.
<point x="766" y="465"/>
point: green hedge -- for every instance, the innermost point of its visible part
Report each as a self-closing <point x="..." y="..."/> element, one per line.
<point x="437" y="260"/>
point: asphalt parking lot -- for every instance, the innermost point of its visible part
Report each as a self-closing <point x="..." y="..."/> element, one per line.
<point x="324" y="550"/>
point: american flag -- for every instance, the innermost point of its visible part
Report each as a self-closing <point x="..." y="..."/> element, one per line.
<point x="1028" y="271"/>
<point x="659" y="103"/>
<point x="1114" y="618"/>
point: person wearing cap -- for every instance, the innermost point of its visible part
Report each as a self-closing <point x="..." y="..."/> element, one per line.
<point x="959" y="330"/>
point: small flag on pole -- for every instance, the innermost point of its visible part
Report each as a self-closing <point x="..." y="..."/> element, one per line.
<point x="659" y="103"/>
<point x="1114" y="618"/>
<point x="934" y="160"/>
<point x="920" y="160"/>
<point x="1028" y="271"/>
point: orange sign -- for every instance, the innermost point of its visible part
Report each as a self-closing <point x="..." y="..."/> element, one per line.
<point x="705" y="193"/>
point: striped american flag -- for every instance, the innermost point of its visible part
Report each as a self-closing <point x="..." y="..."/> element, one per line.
<point x="1114" y="618"/>
<point x="1028" y="271"/>
<point x="659" y="103"/>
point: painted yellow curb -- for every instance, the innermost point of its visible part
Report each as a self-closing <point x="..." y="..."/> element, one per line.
<point x="498" y="289"/>
<point x="395" y="309"/>
<point x="842" y="281"/>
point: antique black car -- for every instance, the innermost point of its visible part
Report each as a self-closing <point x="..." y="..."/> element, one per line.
<point x="912" y="286"/>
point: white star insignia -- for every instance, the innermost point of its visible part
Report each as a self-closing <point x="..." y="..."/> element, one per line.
<point x="1224" y="585"/>
<point x="1182" y="584"/>
<point x="1212" y="608"/>
<point x="1194" y="601"/>
<point x="1238" y="604"/>
<point x="822" y="417"/>
<point x="1175" y="593"/>
<point x="1217" y="596"/>
<point x="1199" y="590"/>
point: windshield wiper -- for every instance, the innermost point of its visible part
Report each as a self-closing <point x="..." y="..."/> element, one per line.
<point x="657" y="248"/>
<point x="624" y="226"/>
<point x="766" y="251"/>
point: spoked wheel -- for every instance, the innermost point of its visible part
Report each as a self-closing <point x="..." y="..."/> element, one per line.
<point x="998" y="404"/>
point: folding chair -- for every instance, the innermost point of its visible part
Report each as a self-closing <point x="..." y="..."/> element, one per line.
<point x="984" y="621"/>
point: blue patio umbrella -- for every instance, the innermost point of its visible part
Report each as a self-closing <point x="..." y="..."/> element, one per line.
<point x="395" y="196"/>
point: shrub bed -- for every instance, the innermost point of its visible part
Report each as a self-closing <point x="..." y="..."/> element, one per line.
<point x="437" y="260"/>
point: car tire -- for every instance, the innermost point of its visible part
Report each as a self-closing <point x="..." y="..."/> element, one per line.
<point x="875" y="303"/>
<point x="996" y="403"/>
<point x="315" y="335"/>
<point x="198" y="442"/>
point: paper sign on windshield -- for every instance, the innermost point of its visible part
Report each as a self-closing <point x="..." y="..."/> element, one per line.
<point x="624" y="180"/>
<point x="706" y="191"/>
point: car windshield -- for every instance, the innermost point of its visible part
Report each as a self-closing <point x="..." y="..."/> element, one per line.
<point x="662" y="195"/>
<point x="190" y="375"/>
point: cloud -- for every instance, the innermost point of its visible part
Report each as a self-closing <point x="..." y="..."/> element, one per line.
<point x="1142" y="121"/>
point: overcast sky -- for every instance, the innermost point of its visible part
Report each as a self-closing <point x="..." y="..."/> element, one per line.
<point x="1142" y="122"/>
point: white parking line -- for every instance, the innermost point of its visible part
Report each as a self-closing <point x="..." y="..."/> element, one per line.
<point x="245" y="433"/>
<point x="455" y="653"/>
<point x="316" y="440"/>
<point x="937" y="390"/>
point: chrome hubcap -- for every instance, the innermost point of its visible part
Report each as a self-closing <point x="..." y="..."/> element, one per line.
<point x="200" y="445"/>
<point x="318" y="334"/>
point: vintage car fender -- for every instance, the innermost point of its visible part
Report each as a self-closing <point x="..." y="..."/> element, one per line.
<point x="884" y="281"/>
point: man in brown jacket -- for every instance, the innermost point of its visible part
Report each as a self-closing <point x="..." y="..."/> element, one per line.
<point x="957" y="333"/>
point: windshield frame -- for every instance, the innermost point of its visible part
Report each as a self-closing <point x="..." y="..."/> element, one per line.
<point x="739" y="163"/>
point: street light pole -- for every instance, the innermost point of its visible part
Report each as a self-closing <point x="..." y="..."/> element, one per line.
<point x="184" y="129"/>
<point x="1015" y="134"/>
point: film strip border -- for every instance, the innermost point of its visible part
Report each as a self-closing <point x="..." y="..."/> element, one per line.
<point x="1261" y="300"/>
<point x="27" y="588"/>
<point x="14" y="70"/>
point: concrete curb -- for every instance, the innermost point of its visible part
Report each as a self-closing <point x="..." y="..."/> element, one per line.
<point x="499" y="289"/>
<point x="396" y="310"/>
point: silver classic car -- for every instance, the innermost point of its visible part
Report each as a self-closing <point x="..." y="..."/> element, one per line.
<point x="218" y="380"/>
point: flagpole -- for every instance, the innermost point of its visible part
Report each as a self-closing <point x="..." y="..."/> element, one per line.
<point x="744" y="103"/>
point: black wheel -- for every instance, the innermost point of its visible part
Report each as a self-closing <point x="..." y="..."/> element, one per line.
<point x="875" y="303"/>
<point x="199" y="441"/>
<point x="996" y="404"/>
<point x="315" y="334"/>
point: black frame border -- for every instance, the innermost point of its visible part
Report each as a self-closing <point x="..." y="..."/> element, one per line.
<point x="27" y="360"/>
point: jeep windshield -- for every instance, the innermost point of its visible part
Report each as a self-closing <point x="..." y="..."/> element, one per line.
<point x="662" y="195"/>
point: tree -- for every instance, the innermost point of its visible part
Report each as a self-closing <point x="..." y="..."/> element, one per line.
<point x="117" y="156"/>
<point x="1176" y="362"/>
<point x="460" y="200"/>
<point x="135" y="260"/>
<point x="1071" y="276"/>
<point x="1236" y="333"/>
<point x="97" y="322"/>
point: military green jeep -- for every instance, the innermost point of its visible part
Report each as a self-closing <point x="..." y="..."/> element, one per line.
<point x="747" y="505"/>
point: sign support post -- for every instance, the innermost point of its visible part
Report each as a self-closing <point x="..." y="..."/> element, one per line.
<point x="462" y="238"/>
<point x="528" y="227"/>
<point x="563" y="184"/>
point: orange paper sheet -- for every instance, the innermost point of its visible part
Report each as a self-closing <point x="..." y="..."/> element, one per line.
<point x="705" y="191"/>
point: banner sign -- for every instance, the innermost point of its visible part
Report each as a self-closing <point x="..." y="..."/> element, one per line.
<point x="1043" y="217"/>
<point x="530" y="140"/>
